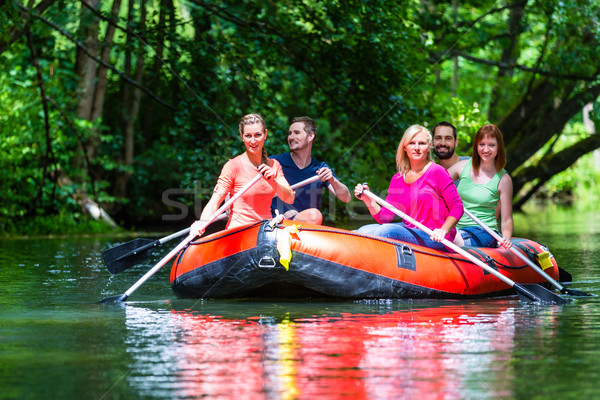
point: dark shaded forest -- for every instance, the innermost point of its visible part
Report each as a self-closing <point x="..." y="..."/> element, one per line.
<point x="127" y="110"/>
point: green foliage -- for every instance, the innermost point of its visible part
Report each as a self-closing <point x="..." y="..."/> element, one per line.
<point x="72" y="223"/>
<point x="364" y="70"/>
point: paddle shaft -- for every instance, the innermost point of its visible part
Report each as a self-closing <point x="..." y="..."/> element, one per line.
<point x="158" y="266"/>
<point x="186" y="241"/>
<point x="517" y="252"/>
<point x="453" y="246"/>
<point x="223" y="215"/>
<point x="155" y="243"/>
<point x="118" y="260"/>
<point x="306" y="182"/>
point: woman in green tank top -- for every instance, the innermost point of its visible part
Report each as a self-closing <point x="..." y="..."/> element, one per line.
<point x="486" y="190"/>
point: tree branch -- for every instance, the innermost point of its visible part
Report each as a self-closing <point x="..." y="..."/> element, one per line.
<point x="509" y="66"/>
<point x="16" y="34"/>
<point x="551" y="119"/>
<point x="552" y="165"/>
<point x="49" y="154"/>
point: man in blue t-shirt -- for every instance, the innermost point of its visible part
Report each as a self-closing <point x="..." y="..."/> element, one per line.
<point x="444" y="145"/>
<point x="299" y="165"/>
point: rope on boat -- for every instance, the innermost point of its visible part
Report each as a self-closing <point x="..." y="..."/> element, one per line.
<point x="448" y="256"/>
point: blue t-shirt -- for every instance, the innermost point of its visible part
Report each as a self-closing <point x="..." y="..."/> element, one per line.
<point x="308" y="196"/>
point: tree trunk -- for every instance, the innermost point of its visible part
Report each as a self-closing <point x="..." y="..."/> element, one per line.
<point x="510" y="54"/>
<point x="550" y="166"/>
<point x="100" y="90"/>
<point x="131" y="103"/>
<point x="549" y="110"/>
<point x="154" y="76"/>
<point x="85" y="67"/>
<point x="137" y="95"/>
<point x="48" y="160"/>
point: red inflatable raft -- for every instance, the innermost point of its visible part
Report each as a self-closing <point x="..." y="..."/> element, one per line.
<point x="331" y="262"/>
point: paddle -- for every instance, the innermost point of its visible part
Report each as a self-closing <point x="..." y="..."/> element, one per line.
<point x="523" y="257"/>
<point x="180" y="246"/>
<point x="526" y="292"/>
<point x="126" y="255"/>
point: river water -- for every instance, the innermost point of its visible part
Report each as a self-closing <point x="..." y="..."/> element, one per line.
<point x="57" y="342"/>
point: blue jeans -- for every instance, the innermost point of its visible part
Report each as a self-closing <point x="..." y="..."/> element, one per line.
<point x="398" y="231"/>
<point x="476" y="236"/>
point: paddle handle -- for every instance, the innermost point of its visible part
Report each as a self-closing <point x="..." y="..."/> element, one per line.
<point x="306" y="182"/>
<point x="228" y="203"/>
<point x="294" y="186"/>
<point x="451" y="245"/>
<point x="174" y="235"/>
<point x="517" y="252"/>
<point x="220" y="213"/>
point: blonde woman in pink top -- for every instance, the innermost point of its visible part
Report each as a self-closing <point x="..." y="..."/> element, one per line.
<point x="421" y="189"/>
<point x="255" y="204"/>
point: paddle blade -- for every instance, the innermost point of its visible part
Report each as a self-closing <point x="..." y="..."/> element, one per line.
<point x="114" y="299"/>
<point x="537" y="293"/>
<point x="126" y="255"/>
<point x="573" y="292"/>
<point x="564" y="276"/>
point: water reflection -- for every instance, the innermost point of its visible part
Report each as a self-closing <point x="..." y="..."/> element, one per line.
<point x="379" y="350"/>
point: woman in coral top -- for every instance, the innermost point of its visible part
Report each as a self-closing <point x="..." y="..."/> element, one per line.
<point x="421" y="189"/>
<point x="255" y="204"/>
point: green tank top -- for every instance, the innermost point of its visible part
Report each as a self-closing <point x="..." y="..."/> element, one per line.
<point x="480" y="200"/>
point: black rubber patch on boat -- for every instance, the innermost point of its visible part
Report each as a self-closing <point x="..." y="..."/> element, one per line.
<point x="266" y="252"/>
<point x="405" y="257"/>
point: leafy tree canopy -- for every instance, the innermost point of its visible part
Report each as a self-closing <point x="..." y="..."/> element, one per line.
<point x="134" y="105"/>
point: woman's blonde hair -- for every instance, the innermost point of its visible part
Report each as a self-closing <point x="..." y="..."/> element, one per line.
<point x="251" y="119"/>
<point x="402" y="160"/>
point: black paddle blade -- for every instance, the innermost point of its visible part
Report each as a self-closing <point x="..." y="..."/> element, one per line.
<point x="564" y="276"/>
<point x="126" y="255"/>
<point x="573" y="292"/>
<point x="536" y="293"/>
<point x="114" y="299"/>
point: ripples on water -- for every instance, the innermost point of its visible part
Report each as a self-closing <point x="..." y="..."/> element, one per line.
<point x="58" y="343"/>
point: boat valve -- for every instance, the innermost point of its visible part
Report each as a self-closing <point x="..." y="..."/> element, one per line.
<point x="267" y="262"/>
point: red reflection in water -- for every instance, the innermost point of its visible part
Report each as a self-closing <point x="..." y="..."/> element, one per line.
<point x="441" y="352"/>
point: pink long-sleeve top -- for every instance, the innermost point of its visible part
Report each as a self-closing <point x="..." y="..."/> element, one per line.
<point x="429" y="200"/>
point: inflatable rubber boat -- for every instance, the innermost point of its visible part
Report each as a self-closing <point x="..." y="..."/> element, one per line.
<point x="288" y="259"/>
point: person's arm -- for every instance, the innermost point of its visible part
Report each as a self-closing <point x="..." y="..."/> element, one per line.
<point x="451" y="198"/>
<point x="211" y="208"/>
<point x="335" y="185"/>
<point x="372" y="205"/>
<point x="505" y="190"/>
<point x="274" y="176"/>
<point x="441" y="232"/>
<point x="381" y="214"/>
<point x="222" y="188"/>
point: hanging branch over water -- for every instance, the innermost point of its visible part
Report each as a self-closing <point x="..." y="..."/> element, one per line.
<point x="49" y="153"/>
